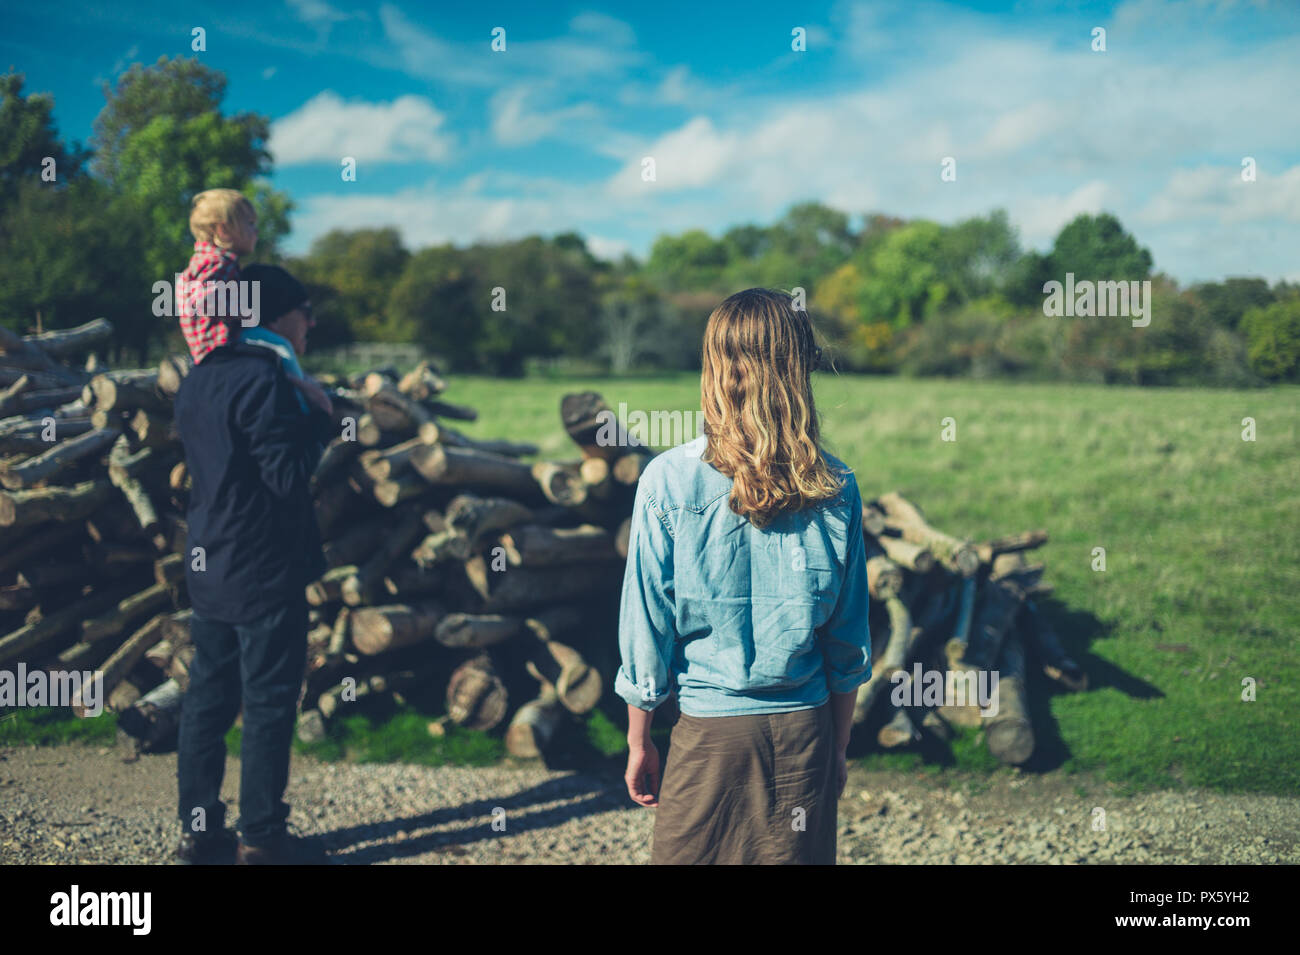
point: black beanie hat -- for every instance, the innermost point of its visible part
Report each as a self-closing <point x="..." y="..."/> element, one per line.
<point x="280" y="293"/>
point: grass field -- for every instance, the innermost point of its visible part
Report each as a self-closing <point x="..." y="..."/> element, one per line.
<point x="1201" y="532"/>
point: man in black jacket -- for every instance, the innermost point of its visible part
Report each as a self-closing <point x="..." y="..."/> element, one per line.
<point x="253" y="547"/>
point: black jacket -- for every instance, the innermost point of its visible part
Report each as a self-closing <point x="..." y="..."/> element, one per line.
<point x="250" y="451"/>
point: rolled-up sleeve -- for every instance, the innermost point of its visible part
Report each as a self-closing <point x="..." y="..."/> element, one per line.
<point x="647" y="619"/>
<point x="846" y="637"/>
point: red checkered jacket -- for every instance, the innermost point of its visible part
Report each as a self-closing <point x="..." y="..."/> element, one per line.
<point x="196" y="302"/>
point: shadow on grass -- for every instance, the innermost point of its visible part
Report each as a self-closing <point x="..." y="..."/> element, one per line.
<point x="963" y="748"/>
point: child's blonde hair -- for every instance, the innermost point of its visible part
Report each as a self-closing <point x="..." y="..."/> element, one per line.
<point x="214" y="207"/>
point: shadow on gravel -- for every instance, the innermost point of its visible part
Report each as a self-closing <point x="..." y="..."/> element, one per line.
<point x="348" y="846"/>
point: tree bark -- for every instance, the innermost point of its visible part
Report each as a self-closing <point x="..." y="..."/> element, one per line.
<point x="377" y="630"/>
<point x="476" y="697"/>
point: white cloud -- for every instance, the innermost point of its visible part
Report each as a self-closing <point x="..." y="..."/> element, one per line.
<point x="1219" y="194"/>
<point x="517" y="122"/>
<point x="326" y="128"/>
<point x="317" y="13"/>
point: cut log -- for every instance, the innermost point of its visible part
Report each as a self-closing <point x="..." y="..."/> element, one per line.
<point x="1005" y="545"/>
<point x="474" y="517"/>
<point x="22" y="398"/>
<point x="469" y="630"/>
<point x="873" y="520"/>
<point x="407" y="581"/>
<point x="421" y="382"/>
<point x="20" y="353"/>
<point x="152" y="430"/>
<point x="525" y="588"/>
<point x="554" y="622"/>
<point x="441" y="546"/>
<point x="1009" y="732"/>
<point x="476" y="697"/>
<point x="155" y="718"/>
<point x="58" y="458"/>
<point x="329" y="589"/>
<point x="52" y="574"/>
<point x="38" y="544"/>
<point x="884" y="577"/>
<point x="124" y="658"/>
<point x="958" y="556"/>
<point x="28" y="508"/>
<point x="594" y="427"/>
<point x="334" y="462"/>
<point x="899" y="731"/>
<point x="1002" y="600"/>
<point x="115" y="392"/>
<point x="70" y="342"/>
<point x="128" y="609"/>
<point x="116" y="558"/>
<point x="629" y="467"/>
<point x="28" y="437"/>
<point x="531" y="545"/>
<point x="367" y="582"/>
<point x="907" y="554"/>
<point x="534" y="726"/>
<point x="463" y="467"/>
<point x="28" y="640"/>
<point x="171" y="372"/>
<point x="561" y="483"/>
<point x="377" y="630"/>
<point x="355" y="544"/>
<point x="577" y="684"/>
<point x="891" y="661"/>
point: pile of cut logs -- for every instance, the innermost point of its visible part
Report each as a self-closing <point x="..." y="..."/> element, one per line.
<point x="955" y="613"/>
<point x="452" y="562"/>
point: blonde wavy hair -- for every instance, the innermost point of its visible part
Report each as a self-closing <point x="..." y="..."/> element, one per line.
<point x="760" y="421"/>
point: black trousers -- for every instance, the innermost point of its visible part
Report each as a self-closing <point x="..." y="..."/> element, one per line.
<point x="261" y="665"/>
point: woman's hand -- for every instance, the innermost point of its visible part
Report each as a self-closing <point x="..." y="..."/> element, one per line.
<point x="642" y="776"/>
<point x="314" y="394"/>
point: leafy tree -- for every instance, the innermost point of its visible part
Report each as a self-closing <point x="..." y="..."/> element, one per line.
<point x="30" y="137"/>
<point x="360" y="269"/>
<point x="1226" y="302"/>
<point x="1273" y="339"/>
<point x="161" y="138"/>
<point x="691" y="261"/>
<point x="1097" y="248"/>
<point x="905" y="278"/>
<point x="68" y="256"/>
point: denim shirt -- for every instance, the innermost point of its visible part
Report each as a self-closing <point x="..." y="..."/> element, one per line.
<point x="739" y="620"/>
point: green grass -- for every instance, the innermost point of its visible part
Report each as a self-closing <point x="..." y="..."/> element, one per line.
<point x="47" y="726"/>
<point x="1200" y="531"/>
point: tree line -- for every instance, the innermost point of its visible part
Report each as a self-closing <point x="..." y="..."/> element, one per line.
<point x="87" y="232"/>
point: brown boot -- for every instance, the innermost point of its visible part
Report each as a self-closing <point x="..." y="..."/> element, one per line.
<point x="199" y="848"/>
<point x="286" y="850"/>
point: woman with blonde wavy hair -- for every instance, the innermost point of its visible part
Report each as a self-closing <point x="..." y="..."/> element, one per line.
<point x="745" y="594"/>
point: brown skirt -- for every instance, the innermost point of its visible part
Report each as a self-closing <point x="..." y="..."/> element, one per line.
<point x="748" y="790"/>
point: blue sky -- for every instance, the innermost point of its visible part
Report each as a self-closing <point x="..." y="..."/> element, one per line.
<point x="457" y="143"/>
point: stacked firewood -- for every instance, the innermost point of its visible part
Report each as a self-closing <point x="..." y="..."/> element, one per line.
<point x="955" y="613"/>
<point x="452" y="562"/>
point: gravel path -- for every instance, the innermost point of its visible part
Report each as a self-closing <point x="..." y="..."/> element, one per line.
<point x="83" y="804"/>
